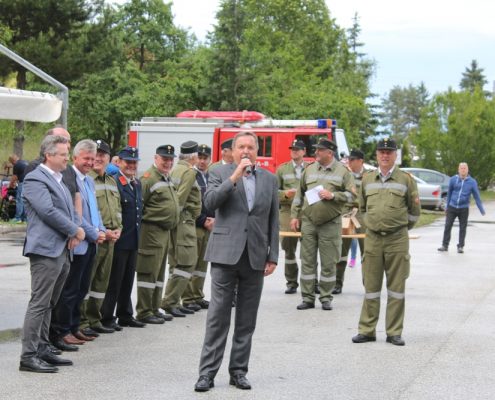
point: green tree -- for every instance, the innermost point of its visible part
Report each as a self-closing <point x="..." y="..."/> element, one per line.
<point x="150" y="34"/>
<point x="473" y="78"/>
<point x="459" y="127"/>
<point x="288" y="59"/>
<point x="402" y="107"/>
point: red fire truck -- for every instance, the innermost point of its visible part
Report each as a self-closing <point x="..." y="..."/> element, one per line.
<point x="214" y="127"/>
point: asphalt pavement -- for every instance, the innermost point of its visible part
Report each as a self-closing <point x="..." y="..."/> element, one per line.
<point x="449" y="332"/>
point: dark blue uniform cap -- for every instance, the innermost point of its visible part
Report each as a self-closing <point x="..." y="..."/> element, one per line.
<point x="129" y="153"/>
<point x="204" y="149"/>
<point x="102" y="146"/>
<point x="356" y="154"/>
<point x="297" y="145"/>
<point x="189" y="147"/>
<point x="166" y="150"/>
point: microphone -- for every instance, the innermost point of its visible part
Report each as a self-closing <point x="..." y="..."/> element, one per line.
<point x="249" y="169"/>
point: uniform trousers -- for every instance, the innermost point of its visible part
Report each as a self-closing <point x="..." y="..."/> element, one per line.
<point x="100" y="275"/>
<point x="152" y="254"/>
<point x="327" y="239"/>
<point x="289" y="246"/>
<point x="385" y="254"/>
<point x="194" y="290"/>
<point x="118" y="294"/>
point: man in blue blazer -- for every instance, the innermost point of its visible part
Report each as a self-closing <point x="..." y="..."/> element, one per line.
<point x="52" y="232"/>
<point x="67" y="312"/>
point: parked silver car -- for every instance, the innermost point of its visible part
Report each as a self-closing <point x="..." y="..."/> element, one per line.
<point x="430" y="196"/>
<point x="435" y="178"/>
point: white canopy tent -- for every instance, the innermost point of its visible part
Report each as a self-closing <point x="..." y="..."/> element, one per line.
<point x="29" y="106"/>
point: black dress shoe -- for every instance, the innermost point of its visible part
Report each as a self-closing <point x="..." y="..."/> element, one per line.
<point x="193" y="307"/>
<point x="204" y="304"/>
<point x="166" y="317"/>
<point x="305" y="306"/>
<point x="52" y="349"/>
<point x="363" y="338"/>
<point x="204" y="384"/>
<point x="240" y="382"/>
<point x="175" y="312"/>
<point x="396" y="340"/>
<point x="151" y="319"/>
<point x="36" y="364"/>
<point x="90" y="332"/>
<point x="337" y="290"/>
<point x="326" y="305"/>
<point x="185" y="310"/>
<point x="60" y="344"/>
<point x="290" y="290"/>
<point x="54" y="360"/>
<point x="114" y="325"/>
<point x="102" y="329"/>
<point x="132" y="323"/>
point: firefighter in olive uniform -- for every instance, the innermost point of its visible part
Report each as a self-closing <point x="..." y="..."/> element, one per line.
<point x="389" y="199"/>
<point x="183" y="252"/>
<point x="194" y="297"/>
<point x="108" y="199"/>
<point x="227" y="157"/>
<point x="288" y="176"/>
<point x="356" y="166"/>
<point x="326" y="185"/>
<point x="160" y="216"/>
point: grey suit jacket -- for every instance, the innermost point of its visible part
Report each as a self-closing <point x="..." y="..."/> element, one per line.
<point x="235" y="227"/>
<point x="50" y="214"/>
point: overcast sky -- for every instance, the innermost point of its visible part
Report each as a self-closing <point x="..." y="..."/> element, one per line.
<point x="411" y="41"/>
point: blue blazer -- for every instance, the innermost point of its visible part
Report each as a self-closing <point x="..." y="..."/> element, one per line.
<point x="90" y="230"/>
<point x="131" y="201"/>
<point x="50" y="214"/>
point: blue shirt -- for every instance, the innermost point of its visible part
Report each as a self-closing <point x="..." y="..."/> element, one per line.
<point x="460" y="191"/>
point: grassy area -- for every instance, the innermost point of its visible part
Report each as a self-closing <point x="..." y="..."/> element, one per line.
<point x="428" y="216"/>
<point x="487" y="195"/>
<point x="9" y="335"/>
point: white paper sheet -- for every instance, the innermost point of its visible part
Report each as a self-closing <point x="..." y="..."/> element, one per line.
<point x="312" y="194"/>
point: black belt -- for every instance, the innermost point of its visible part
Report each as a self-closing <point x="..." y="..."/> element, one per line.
<point x="386" y="233"/>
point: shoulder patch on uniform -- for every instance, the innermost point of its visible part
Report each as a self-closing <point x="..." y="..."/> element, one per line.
<point x="146" y="175"/>
<point x="123" y="180"/>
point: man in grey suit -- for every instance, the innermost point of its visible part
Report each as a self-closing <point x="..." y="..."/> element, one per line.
<point x="52" y="232"/>
<point x="242" y="249"/>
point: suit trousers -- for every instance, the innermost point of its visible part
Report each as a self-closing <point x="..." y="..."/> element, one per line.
<point x="120" y="287"/>
<point x="223" y="282"/>
<point x="67" y="311"/>
<point x="47" y="281"/>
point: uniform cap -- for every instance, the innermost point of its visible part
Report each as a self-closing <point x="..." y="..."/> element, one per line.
<point x="102" y="146"/>
<point x="227" y="144"/>
<point x="166" y="150"/>
<point x="129" y="153"/>
<point x="356" y="154"/>
<point x="326" y="144"/>
<point x="204" y="149"/>
<point x="387" y="144"/>
<point x="297" y="145"/>
<point x="189" y="147"/>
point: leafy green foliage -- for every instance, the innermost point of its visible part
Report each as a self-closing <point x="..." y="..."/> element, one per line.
<point x="473" y="78"/>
